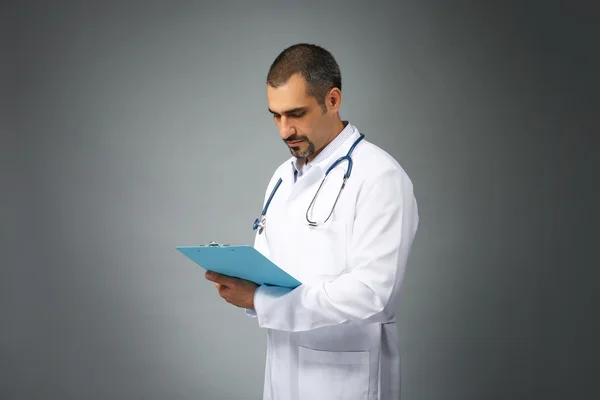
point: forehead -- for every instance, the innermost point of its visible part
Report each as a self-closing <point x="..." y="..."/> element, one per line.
<point x="290" y="95"/>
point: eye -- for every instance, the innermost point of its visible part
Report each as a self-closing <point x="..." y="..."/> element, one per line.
<point x="297" y="115"/>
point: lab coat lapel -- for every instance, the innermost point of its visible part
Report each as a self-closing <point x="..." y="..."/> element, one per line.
<point x="288" y="180"/>
<point x="314" y="175"/>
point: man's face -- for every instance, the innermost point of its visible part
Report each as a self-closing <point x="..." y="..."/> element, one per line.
<point x="302" y="124"/>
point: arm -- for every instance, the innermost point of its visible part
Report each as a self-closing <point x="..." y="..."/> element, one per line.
<point x="384" y="228"/>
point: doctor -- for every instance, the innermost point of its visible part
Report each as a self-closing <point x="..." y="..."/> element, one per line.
<point x="335" y="336"/>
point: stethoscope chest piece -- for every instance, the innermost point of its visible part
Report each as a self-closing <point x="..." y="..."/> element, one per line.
<point x="259" y="224"/>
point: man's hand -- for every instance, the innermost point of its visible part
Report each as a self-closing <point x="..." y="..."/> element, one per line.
<point x="235" y="291"/>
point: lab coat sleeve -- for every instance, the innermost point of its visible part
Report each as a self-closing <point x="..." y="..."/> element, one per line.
<point x="385" y="224"/>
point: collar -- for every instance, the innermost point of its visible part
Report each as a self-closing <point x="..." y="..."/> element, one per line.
<point x="300" y="169"/>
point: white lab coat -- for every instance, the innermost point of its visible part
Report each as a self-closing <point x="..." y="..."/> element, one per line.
<point x="335" y="336"/>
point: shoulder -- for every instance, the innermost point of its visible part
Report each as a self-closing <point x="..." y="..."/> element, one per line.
<point x="372" y="165"/>
<point x="381" y="184"/>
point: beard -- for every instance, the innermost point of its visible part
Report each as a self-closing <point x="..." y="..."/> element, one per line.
<point x="304" y="149"/>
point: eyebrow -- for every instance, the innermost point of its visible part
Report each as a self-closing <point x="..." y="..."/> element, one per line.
<point x="291" y="111"/>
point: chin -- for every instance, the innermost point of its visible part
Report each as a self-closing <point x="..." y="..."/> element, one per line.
<point x="300" y="155"/>
<point x="304" y="150"/>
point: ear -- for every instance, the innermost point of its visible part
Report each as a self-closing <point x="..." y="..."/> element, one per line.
<point x="333" y="99"/>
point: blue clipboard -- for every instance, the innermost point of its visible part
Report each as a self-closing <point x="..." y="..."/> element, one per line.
<point x="241" y="261"/>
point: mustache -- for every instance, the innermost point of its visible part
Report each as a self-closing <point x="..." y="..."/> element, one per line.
<point x="294" y="138"/>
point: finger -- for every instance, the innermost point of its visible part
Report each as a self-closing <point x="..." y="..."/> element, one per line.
<point x="211" y="276"/>
<point x="215" y="277"/>
<point x="219" y="278"/>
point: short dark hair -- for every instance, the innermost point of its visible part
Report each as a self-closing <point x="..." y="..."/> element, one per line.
<point x="315" y="64"/>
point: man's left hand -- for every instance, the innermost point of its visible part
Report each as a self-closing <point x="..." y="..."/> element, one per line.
<point x="238" y="292"/>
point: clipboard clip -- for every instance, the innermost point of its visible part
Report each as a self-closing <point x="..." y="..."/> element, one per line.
<point x="215" y="244"/>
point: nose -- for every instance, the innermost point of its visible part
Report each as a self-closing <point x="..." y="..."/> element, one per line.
<point x="286" y="128"/>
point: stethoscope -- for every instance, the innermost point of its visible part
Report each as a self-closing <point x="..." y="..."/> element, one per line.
<point x="260" y="222"/>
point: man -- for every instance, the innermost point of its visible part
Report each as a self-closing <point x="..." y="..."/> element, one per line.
<point x="335" y="336"/>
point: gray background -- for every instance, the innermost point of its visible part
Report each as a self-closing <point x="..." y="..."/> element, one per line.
<point x="130" y="128"/>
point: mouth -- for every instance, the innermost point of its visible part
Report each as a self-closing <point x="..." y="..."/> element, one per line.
<point x="294" y="142"/>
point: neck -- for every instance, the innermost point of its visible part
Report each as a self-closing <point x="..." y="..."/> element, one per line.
<point x="337" y="129"/>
